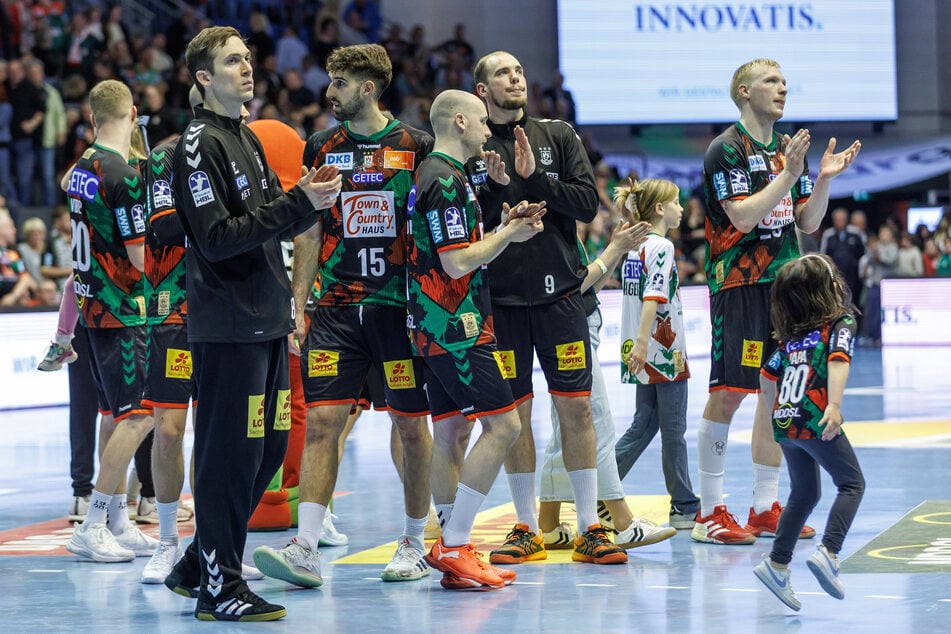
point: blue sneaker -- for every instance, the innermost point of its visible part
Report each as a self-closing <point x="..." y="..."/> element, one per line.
<point x="778" y="583"/>
<point x="825" y="566"/>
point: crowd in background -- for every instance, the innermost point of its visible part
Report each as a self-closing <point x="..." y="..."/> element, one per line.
<point x="51" y="54"/>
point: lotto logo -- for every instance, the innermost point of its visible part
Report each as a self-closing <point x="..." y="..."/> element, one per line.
<point x="506" y="361"/>
<point x="752" y="354"/>
<point x="256" y="416"/>
<point x="322" y="363"/>
<point x="571" y="356"/>
<point x="178" y="364"/>
<point x="399" y="374"/>
<point x="282" y="417"/>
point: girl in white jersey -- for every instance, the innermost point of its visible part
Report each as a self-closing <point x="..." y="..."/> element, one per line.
<point x="654" y="345"/>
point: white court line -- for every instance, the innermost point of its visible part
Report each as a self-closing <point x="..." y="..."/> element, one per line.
<point x="596" y="585"/>
<point x="110" y="572"/>
<point x="944" y="600"/>
<point x="669" y="587"/>
<point x="44" y="571"/>
<point x="739" y="590"/>
<point x="6" y="491"/>
<point x="884" y="596"/>
<point x="813" y="594"/>
<point x="528" y="583"/>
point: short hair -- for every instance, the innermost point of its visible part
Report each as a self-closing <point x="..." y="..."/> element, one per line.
<point x="741" y="76"/>
<point x="445" y="107"/>
<point x="364" y="61"/>
<point x="480" y="74"/>
<point x="110" y="100"/>
<point x="200" y="53"/>
<point x="640" y="197"/>
<point x="33" y="224"/>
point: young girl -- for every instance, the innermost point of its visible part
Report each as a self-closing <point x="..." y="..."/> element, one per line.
<point x="654" y="346"/>
<point x="811" y="311"/>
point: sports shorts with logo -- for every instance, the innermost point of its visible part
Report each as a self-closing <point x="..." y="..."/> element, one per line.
<point x="467" y="382"/>
<point x="557" y="333"/>
<point x="345" y="342"/>
<point x="118" y="366"/>
<point x="741" y="342"/>
<point x="168" y="381"/>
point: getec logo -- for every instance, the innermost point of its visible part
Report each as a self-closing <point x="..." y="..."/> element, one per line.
<point x="725" y="16"/>
<point x="366" y="178"/>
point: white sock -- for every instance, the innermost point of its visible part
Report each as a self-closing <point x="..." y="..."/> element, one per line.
<point x="118" y="515"/>
<point x="458" y="529"/>
<point x="167" y="520"/>
<point x="415" y="528"/>
<point x="711" y="458"/>
<point x="584" y="485"/>
<point x="443" y="512"/>
<point x="310" y="520"/>
<point x="522" y="486"/>
<point x="63" y="339"/>
<point x="765" y="487"/>
<point x="98" y="508"/>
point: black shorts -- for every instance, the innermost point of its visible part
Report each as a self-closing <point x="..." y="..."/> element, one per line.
<point x="372" y="392"/>
<point x="741" y="337"/>
<point x="471" y="384"/>
<point x="345" y="342"/>
<point x="168" y="380"/>
<point x="558" y="334"/>
<point x="118" y="366"/>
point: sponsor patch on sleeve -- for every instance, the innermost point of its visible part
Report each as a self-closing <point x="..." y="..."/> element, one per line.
<point x="455" y="228"/>
<point x="200" y="187"/>
<point x="161" y="195"/>
<point x="719" y="185"/>
<point x="138" y="219"/>
<point x="122" y="221"/>
<point x="739" y="182"/>
<point x="432" y="216"/>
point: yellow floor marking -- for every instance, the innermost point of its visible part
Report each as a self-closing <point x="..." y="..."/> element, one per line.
<point x="492" y="525"/>
<point x="890" y="434"/>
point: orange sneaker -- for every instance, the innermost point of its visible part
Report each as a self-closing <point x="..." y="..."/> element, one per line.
<point x="465" y="563"/>
<point x="594" y="547"/>
<point x="450" y="581"/>
<point x="520" y="545"/>
<point x="764" y="524"/>
<point x="720" y="527"/>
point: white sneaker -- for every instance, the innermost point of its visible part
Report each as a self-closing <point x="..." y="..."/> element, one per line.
<point x="642" y="532"/>
<point x="825" y="566"/>
<point x="250" y="573"/>
<point x="295" y="563"/>
<point x="79" y="508"/>
<point x="433" y="529"/>
<point x="562" y="537"/>
<point x="186" y="510"/>
<point x="778" y="583"/>
<point x="146" y="512"/>
<point x="95" y="542"/>
<point x="160" y="565"/>
<point x="138" y="542"/>
<point x="329" y="536"/>
<point x="408" y="563"/>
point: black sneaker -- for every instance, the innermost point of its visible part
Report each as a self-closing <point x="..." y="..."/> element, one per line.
<point x="184" y="579"/>
<point x="244" y="606"/>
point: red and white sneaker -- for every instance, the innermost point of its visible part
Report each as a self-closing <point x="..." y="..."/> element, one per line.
<point x="465" y="564"/>
<point x="764" y="524"/>
<point x="450" y="581"/>
<point x="720" y="527"/>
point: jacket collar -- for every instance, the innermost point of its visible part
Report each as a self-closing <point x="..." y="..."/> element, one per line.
<point x="506" y="130"/>
<point x="221" y="121"/>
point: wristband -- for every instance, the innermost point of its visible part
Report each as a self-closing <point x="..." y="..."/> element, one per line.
<point x="601" y="265"/>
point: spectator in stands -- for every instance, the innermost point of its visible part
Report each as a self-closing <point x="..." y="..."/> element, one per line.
<point x="47" y="294"/>
<point x="260" y="42"/>
<point x="290" y="51"/>
<point x="33" y="246"/>
<point x="162" y="62"/>
<point x="364" y="16"/>
<point x="909" y="257"/>
<point x="53" y="132"/>
<point x="84" y="42"/>
<point x="326" y="39"/>
<point x="164" y="124"/>
<point x="458" y="45"/>
<point x="6" y="117"/>
<point x="858" y="221"/>
<point x="561" y="102"/>
<point x="29" y="107"/>
<point x="58" y="259"/>
<point x="878" y="262"/>
<point x="845" y="244"/>
<point x="113" y="30"/>
<point x="314" y="76"/>
<point x="16" y="283"/>
<point x="930" y="257"/>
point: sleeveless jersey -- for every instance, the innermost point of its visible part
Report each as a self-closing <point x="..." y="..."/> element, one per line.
<point x="363" y="255"/>
<point x="164" y="242"/>
<point x="107" y="210"/>
<point x="801" y="369"/>
<point x="445" y="315"/>
<point x="651" y="274"/>
<point x="735" y="167"/>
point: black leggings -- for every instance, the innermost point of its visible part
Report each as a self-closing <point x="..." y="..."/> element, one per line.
<point x="803" y="459"/>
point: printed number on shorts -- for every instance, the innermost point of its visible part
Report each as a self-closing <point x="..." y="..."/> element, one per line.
<point x="372" y="262"/>
<point x="793" y="386"/>
<point x="549" y="284"/>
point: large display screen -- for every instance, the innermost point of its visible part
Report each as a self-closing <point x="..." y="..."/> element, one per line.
<point x="672" y="62"/>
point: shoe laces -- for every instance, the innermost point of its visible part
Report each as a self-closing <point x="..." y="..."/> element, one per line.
<point x="725" y="518"/>
<point x="476" y="555"/>
<point x="599" y="536"/>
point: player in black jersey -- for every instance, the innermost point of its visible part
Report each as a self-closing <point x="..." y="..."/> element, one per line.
<point x="537" y="304"/>
<point x="240" y="312"/>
